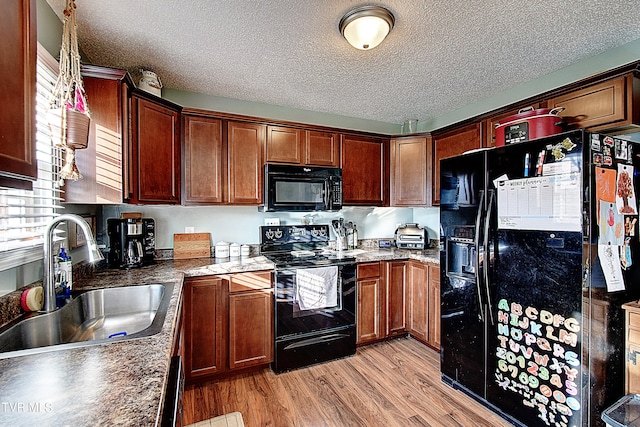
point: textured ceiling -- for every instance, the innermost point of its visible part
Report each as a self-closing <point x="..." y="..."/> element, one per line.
<point x="440" y="56"/>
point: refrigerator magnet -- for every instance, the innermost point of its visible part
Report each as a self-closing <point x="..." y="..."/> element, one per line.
<point x="597" y="158"/>
<point x="621" y="149"/>
<point x="607" y="161"/>
<point x="608" y="141"/>
<point x="595" y="142"/>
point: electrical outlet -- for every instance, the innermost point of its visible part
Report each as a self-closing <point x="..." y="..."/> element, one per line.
<point x="189" y="229"/>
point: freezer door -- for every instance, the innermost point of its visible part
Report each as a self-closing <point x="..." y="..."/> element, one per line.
<point x="463" y="349"/>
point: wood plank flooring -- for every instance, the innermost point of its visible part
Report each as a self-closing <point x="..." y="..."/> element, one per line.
<point x="394" y="383"/>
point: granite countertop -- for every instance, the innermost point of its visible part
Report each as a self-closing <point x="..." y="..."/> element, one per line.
<point x="120" y="383"/>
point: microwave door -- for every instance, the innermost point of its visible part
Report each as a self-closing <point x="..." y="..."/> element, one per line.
<point x="299" y="193"/>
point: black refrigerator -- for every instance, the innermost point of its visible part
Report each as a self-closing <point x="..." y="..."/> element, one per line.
<point x="539" y="250"/>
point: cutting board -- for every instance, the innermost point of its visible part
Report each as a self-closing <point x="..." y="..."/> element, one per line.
<point x="192" y="245"/>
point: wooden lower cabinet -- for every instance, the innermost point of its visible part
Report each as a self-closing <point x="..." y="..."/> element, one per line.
<point x="370" y="294"/>
<point x="434" y="306"/>
<point x="396" y="323"/>
<point x="396" y="298"/>
<point x="417" y="300"/>
<point x="204" y="323"/>
<point x="250" y="328"/>
<point x="632" y="351"/>
<point x="228" y="323"/>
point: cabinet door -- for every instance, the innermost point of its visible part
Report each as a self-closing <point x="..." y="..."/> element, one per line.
<point x="245" y="147"/>
<point x="18" y="164"/>
<point x="204" y="324"/>
<point x="417" y="300"/>
<point x="157" y="152"/>
<point x="365" y="171"/>
<point x="322" y="149"/>
<point x="368" y="322"/>
<point x="395" y="298"/>
<point x="204" y="161"/>
<point x="102" y="162"/>
<point x="433" y="318"/>
<point x="451" y="144"/>
<point x="599" y="104"/>
<point x="409" y="172"/>
<point x="250" y="329"/>
<point x="284" y="145"/>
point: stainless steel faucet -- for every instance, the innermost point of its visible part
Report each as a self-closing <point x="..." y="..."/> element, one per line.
<point x="48" y="279"/>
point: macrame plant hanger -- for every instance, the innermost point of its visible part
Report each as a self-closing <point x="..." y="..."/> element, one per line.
<point x="68" y="113"/>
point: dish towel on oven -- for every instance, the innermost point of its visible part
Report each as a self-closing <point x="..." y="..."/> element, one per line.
<point x="317" y="287"/>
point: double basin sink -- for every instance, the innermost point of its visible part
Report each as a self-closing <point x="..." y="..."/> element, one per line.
<point x="90" y="318"/>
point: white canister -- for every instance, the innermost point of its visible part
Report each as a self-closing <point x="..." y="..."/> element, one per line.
<point x="245" y="250"/>
<point x="234" y="249"/>
<point x="222" y="250"/>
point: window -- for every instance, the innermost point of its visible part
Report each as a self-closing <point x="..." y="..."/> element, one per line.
<point x="24" y="214"/>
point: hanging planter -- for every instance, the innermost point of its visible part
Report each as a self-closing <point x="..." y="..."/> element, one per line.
<point x="68" y="113"/>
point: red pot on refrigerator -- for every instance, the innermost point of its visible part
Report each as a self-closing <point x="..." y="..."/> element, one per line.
<point x="529" y="123"/>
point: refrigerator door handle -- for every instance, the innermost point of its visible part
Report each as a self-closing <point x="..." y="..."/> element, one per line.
<point x="486" y="259"/>
<point x="478" y="252"/>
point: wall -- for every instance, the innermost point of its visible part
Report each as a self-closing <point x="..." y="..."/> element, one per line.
<point x="608" y="60"/>
<point x="240" y="224"/>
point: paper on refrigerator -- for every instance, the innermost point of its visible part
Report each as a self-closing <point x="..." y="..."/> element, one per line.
<point x="543" y="203"/>
<point x="610" y="262"/>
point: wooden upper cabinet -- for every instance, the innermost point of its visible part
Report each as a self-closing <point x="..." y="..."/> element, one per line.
<point x="245" y="145"/>
<point x="602" y="105"/>
<point x="156" y="151"/>
<point x="18" y="166"/>
<point x="409" y="172"/>
<point x="284" y="145"/>
<point x="450" y="144"/>
<point x="204" y="171"/>
<point x="365" y="171"/>
<point x="302" y="147"/>
<point x="322" y="148"/>
<point x="102" y="162"/>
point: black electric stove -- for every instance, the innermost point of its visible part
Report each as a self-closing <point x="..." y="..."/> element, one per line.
<point x="305" y="336"/>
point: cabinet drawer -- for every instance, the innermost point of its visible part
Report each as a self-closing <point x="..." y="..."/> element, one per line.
<point x="369" y="269"/>
<point x="241" y="282"/>
<point x="634" y="336"/>
<point x="634" y="321"/>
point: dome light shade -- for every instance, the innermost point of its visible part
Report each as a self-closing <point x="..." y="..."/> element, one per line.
<point x="367" y="26"/>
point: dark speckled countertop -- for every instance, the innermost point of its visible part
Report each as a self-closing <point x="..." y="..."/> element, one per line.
<point x="120" y="383"/>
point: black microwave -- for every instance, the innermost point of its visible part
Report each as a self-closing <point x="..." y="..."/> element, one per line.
<point x="302" y="188"/>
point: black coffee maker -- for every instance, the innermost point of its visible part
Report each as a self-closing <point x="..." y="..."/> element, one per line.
<point x="132" y="241"/>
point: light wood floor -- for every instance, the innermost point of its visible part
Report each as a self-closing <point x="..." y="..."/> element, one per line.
<point x="395" y="383"/>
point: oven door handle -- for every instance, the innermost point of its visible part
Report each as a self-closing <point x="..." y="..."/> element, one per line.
<point x="316" y="340"/>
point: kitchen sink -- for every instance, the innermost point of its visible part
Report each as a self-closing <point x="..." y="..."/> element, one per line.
<point x="90" y="318"/>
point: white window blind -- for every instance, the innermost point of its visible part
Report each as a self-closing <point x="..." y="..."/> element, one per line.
<point x="24" y="214"/>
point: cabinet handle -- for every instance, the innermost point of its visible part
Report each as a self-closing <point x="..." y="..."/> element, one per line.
<point x="631" y="356"/>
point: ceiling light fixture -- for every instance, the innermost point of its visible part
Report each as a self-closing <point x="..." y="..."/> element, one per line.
<point x="367" y="26"/>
